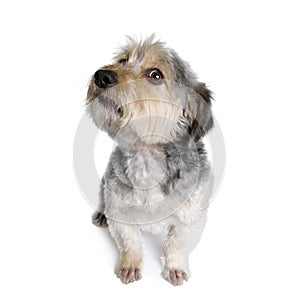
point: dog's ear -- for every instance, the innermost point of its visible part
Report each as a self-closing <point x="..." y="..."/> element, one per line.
<point x="200" y="107"/>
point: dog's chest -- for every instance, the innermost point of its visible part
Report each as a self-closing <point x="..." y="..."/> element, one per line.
<point x="146" y="170"/>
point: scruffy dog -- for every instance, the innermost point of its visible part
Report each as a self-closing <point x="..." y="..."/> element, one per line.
<point x="158" y="177"/>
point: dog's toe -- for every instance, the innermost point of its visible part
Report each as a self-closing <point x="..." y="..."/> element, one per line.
<point x="128" y="275"/>
<point x="99" y="219"/>
<point x="175" y="276"/>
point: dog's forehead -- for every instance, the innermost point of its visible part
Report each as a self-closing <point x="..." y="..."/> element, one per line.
<point x="146" y="53"/>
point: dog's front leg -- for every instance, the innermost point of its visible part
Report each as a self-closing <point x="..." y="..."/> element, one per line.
<point x="129" y="241"/>
<point x="181" y="240"/>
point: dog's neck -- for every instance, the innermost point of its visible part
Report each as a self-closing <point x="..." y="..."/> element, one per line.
<point x="183" y="142"/>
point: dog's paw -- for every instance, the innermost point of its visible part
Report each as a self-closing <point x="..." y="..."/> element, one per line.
<point x="128" y="275"/>
<point x="99" y="219"/>
<point x="175" y="276"/>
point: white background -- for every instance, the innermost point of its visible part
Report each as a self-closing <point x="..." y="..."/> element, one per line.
<point x="246" y="51"/>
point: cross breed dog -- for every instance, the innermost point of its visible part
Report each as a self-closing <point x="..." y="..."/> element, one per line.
<point x="158" y="178"/>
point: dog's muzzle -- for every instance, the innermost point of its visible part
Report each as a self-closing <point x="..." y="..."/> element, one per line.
<point x="105" y="78"/>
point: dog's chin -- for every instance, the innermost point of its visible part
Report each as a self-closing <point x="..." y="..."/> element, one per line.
<point x="146" y="130"/>
<point x="149" y="122"/>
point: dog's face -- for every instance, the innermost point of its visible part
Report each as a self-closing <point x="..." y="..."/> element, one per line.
<point x="148" y="95"/>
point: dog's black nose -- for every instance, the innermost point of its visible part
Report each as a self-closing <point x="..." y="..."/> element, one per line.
<point x="105" y="78"/>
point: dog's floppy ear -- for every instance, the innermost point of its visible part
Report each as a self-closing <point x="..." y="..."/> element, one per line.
<point x="202" y="119"/>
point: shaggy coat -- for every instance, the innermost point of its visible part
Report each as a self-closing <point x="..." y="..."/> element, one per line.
<point x="158" y="177"/>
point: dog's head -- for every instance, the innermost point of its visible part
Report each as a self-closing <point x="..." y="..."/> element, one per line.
<point x="148" y="95"/>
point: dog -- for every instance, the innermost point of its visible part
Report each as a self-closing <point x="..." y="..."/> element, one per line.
<point x="158" y="178"/>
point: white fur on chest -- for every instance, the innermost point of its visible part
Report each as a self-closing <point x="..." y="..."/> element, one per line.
<point x="145" y="174"/>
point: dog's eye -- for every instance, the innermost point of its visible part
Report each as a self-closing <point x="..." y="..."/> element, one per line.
<point x="154" y="76"/>
<point x="123" y="61"/>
